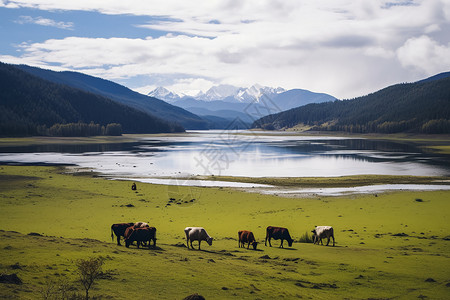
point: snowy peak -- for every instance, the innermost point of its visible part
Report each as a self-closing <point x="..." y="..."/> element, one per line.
<point x="223" y="92"/>
<point x="256" y="92"/>
<point x="163" y="94"/>
<point x="238" y="94"/>
<point x="218" y="92"/>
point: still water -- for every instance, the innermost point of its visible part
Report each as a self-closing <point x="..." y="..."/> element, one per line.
<point x="244" y="154"/>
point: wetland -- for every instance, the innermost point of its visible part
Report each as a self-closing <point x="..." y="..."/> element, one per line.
<point x="390" y="244"/>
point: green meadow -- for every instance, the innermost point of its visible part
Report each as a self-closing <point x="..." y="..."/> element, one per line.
<point x="389" y="245"/>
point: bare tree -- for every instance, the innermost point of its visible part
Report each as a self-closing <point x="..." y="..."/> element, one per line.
<point x="55" y="290"/>
<point x="89" y="270"/>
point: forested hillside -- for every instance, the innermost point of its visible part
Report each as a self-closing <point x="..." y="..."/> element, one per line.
<point x="410" y="107"/>
<point x="121" y="94"/>
<point x="30" y="105"/>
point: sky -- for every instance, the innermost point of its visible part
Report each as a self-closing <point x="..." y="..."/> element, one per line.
<point x="346" y="48"/>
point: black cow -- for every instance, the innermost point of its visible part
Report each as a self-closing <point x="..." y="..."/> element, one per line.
<point x="140" y="235"/>
<point x="119" y="230"/>
<point x="278" y="233"/>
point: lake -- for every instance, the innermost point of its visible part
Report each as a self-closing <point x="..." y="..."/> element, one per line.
<point x="242" y="153"/>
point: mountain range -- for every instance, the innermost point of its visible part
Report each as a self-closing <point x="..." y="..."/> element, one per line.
<point x="32" y="100"/>
<point x="419" y="107"/>
<point x="223" y="92"/>
<point x="121" y="94"/>
<point x="228" y="102"/>
<point x="30" y="105"/>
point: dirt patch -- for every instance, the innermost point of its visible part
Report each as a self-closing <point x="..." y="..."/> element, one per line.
<point x="312" y="285"/>
<point x="10" y="278"/>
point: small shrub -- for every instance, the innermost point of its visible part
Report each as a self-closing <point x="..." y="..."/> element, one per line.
<point x="306" y="238"/>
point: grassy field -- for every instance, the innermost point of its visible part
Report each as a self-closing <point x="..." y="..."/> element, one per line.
<point x="391" y="245"/>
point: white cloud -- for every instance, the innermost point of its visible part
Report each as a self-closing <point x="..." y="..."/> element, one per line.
<point x="425" y="54"/>
<point x="44" y="22"/>
<point x="190" y="86"/>
<point x="342" y="47"/>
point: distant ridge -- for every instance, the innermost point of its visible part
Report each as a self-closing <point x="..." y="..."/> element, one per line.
<point x="227" y="102"/>
<point x="436" y="77"/>
<point x="420" y="107"/>
<point x="29" y="104"/>
<point x="121" y="94"/>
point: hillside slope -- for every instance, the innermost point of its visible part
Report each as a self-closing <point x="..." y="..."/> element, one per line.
<point x="423" y="106"/>
<point x="28" y="103"/>
<point x="122" y="95"/>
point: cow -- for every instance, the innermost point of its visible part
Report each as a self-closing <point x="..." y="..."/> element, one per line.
<point x="141" y="225"/>
<point x="197" y="234"/>
<point x="246" y="236"/>
<point x="140" y="235"/>
<point x="278" y="233"/>
<point x="194" y="297"/>
<point x="321" y="232"/>
<point x="119" y="230"/>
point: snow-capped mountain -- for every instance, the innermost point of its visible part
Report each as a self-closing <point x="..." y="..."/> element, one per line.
<point x="164" y="94"/>
<point x="218" y="92"/>
<point x="228" y="102"/>
<point x="256" y="92"/>
<point x="223" y="92"/>
<point x="231" y="93"/>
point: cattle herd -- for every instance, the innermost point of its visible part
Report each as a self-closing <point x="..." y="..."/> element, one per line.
<point x="143" y="234"/>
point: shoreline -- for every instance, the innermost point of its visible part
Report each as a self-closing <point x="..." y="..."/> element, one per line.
<point x="279" y="186"/>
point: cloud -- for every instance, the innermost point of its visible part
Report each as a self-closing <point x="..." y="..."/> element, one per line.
<point x="44" y="22"/>
<point x="342" y="47"/>
<point x="425" y="54"/>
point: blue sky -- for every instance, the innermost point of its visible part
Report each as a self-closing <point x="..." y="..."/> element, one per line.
<point x="342" y="47"/>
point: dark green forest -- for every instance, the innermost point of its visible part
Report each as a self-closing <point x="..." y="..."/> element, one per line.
<point x="121" y="94"/>
<point x="30" y="105"/>
<point x="421" y="107"/>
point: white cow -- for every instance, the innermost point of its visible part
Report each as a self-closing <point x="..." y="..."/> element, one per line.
<point x="197" y="234"/>
<point x="141" y="225"/>
<point x="321" y="232"/>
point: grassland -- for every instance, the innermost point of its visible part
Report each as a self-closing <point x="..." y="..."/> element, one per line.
<point x="393" y="245"/>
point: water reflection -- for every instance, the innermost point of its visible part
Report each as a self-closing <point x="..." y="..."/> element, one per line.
<point x="71" y="148"/>
<point x="223" y="153"/>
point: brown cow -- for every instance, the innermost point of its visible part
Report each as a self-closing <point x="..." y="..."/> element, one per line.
<point x="246" y="236"/>
<point x="119" y="230"/>
<point x="140" y="235"/>
<point x="278" y="233"/>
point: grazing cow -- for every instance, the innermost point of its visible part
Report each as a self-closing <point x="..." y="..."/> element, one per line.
<point x="321" y="232"/>
<point x="140" y="235"/>
<point x="197" y="234"/>
<point x="247" y="237"/>
<point x="141" y="225"/>
<point x="278" y="233"/>
<point x="194" y="297"/>
<point x="119" y="230"/>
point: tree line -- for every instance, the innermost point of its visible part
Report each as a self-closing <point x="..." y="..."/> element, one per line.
<point x="80" y="129"/>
